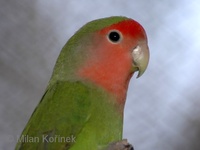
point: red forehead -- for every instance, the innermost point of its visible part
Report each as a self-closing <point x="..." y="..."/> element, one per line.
<point x="127" y="27"/>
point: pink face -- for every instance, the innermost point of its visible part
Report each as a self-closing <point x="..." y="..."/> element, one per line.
<point x="110" y="64"/>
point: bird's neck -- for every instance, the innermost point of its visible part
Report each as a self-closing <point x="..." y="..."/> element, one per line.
<point x="113" y="77"/>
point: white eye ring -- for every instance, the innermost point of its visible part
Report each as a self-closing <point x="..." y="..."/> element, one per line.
<point x="114" y="36"/>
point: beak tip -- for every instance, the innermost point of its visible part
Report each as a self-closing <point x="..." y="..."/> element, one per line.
<point x="139" y="74"/>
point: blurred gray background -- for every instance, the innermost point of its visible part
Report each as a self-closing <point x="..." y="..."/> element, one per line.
<point x="163" y="106"/>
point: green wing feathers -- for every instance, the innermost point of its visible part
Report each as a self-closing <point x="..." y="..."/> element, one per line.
<point x="73" y="116"/>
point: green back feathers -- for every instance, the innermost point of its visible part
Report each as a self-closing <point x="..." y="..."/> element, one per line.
<point x="75" y="50"/>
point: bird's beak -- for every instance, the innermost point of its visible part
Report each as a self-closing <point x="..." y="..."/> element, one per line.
<point x="140" y="55"/>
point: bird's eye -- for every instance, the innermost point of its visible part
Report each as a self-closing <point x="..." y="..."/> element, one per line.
<point x="114" y="36"/>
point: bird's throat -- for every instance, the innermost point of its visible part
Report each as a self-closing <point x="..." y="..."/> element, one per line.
<point x="113" y="77"/>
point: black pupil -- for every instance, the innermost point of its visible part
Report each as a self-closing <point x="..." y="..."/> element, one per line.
<point x="114" y="36"/>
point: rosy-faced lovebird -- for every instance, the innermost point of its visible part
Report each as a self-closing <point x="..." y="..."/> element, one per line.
<point x="82" y="107"/>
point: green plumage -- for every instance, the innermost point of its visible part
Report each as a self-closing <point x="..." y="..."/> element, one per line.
<point x="75" y="51"/>
<point x="73" y="109"/>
